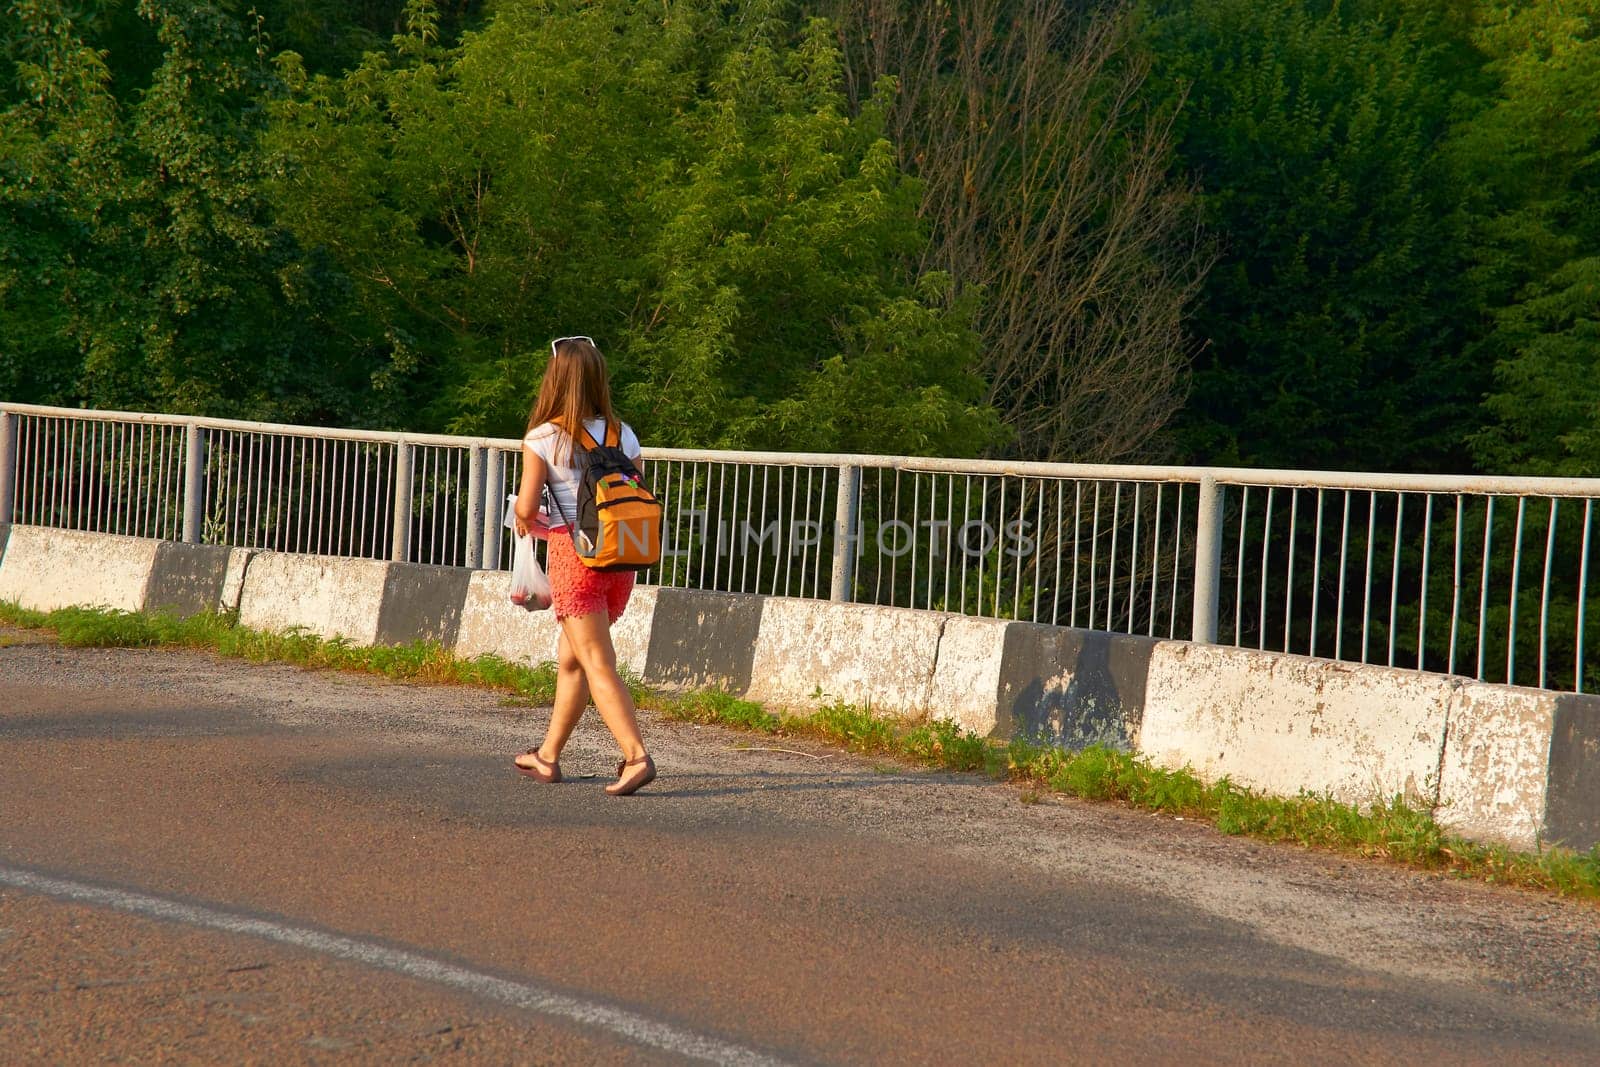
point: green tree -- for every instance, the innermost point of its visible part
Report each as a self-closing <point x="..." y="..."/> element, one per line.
<point x="331" y="37"/>
<point x="486" y="197"/>
<point x="685" y="184"/>
<point x="1534" y="156"/>
<point x="1051" y="199"/>
<point x="782" y="315"/>
<point x="1336" y="322"/>
<point x="144" y="222"/>
<point x="58" y="163"/>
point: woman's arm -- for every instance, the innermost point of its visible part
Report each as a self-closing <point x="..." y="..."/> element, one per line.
<point x="638" y="461"/>
<point x="532" y="485"/>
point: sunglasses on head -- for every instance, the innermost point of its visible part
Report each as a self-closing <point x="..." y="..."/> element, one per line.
<point x="574" y="337"/>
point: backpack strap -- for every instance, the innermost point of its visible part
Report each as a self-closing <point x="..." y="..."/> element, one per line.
<point x="613" y="436"/>
<point x="613" y="440"/>
<point x="549" y="493"/>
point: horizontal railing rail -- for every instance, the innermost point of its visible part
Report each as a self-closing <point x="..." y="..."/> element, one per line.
<point x="1477" y="575"/>
<point x="1481" y="484"/>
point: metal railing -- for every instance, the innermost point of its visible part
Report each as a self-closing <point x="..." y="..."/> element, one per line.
<point x="1481" y="576"/>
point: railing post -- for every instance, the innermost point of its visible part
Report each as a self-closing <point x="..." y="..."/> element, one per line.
<point x="1207" y="562"/>
<point x="400" y="540"/>
<point x="845" y="519"/>
<point x="493" y="509"/>
<point x="474" y="507"/>
<point x="194" y="485"/>
<point x="8" y="466"/>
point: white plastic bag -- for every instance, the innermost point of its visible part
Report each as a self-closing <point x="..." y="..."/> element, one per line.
<point x="530" y="589"/>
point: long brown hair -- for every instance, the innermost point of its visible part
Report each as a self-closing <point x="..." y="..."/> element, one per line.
<point x="575" y="388"/>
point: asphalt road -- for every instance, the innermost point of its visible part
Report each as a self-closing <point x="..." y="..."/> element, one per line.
<point x="209" y="861"/>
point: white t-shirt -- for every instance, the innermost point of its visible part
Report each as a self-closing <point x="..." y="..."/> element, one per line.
<point x="549" y="443"/>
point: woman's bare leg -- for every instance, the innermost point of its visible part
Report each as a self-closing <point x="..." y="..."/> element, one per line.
<point x="589" y="638"/>
<point x="572" y="696"/>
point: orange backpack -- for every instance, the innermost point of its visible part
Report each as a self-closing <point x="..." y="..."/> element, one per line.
<point x="618" y="525"/>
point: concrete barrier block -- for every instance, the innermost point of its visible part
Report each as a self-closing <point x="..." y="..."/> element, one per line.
<point x="422" y="603"/>
<point x="1522" y="767"/>
<point x="329" y="596"/>
<point x="702" y="639"/>
<point x="858" y="653"/>
<point x="1073" y="688"/>
<point x="233" y="578"/>
<point x="45" y="569"/>
<point x="491" y="624"/>
<point x="186" y="579"/>
<point x="1492" y="781"/>
<point x="966" y="678"/>
<point x="1572" y="799"/>
<point x="631" y="634"/>
<point x="1286" y="723"/>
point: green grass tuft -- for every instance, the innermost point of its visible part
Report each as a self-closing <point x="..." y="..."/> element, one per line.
<point x="711" y="707"/>
<point x="12" y="615"/>
<point x="854" y="728"/>
<point x="419" y="661"/>
<point x="945" y="744"/>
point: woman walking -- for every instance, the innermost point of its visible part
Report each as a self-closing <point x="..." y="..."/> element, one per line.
<point x="576" y="393"/>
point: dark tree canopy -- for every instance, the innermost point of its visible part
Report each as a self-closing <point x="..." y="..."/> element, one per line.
<point x="958" y="226"/>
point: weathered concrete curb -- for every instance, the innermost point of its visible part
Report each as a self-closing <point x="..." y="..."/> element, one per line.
<point x="1065" y="687"/>
<point x="421" y="603"/>
<point x="45" y="569"/>
<point x="327" y="596"/>
<point x="1073" y="688"/>
<point x="233" y="578"/>
<point x="1521" y="766"/>
<point x="492" y="625"/>
<point x="882" y="658"/>
<point x="1572" y="795"/>
<point x="1502" y="764"/>
<point x="1286" y="723"/>
<point x="703" y="639"/>
<point x="188" y="579"/>
<point x="967" y="672"/>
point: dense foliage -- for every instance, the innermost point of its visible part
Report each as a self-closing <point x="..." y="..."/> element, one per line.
<point x="735" y="238"/>
<point x="1532" y="156"/>
<point x="1336" y="317"/>
<point x="958" y="227"/>
<point x="141" y="264"/>
<point x="1405" y="192"/>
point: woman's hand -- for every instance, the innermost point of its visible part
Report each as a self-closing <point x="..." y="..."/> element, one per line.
<point x="522" y="527"/>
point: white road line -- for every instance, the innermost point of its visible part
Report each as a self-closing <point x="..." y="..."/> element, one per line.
<point x="624" y="1024"/>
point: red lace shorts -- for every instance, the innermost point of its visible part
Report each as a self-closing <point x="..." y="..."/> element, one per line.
<point x="578" y="590"/>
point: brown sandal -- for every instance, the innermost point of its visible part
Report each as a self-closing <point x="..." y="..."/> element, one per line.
<point x="632" y="783"/>
<point x="548" y="772"/>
